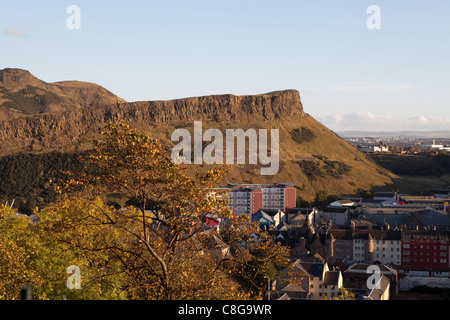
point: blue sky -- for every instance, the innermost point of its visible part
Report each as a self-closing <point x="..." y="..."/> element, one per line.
<point x="349" y="77"/>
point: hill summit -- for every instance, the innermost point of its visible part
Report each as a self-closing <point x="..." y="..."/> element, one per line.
<point x="21" y="94"/>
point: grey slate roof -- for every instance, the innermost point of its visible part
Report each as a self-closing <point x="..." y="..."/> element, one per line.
<point x="331" y="278"/>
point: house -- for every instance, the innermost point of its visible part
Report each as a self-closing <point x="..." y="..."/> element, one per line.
<point x="269" y="218"/>
<point x="341" y="245"/>
<point x="320" y="244"/>
<point x="356" y="280"/>
<point x="380" y="290"/>
<point x="311" y="278"/>
<point x="377" y="246"/>
<point x="334" y="215"/>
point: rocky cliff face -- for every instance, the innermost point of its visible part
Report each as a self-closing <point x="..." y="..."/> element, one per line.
<point x="62" y="129"/>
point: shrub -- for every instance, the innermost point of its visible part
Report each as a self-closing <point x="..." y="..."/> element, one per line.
<point x="311" y="169"/>
<point x="302" y="135"/>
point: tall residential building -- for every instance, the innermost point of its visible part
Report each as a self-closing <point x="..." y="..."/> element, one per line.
<point x="426" y="248"/>
<point x="249" y="198"/>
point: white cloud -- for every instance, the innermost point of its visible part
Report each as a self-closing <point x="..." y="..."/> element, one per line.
<point x="14" y="33"/>
<point x="370" y="121"/>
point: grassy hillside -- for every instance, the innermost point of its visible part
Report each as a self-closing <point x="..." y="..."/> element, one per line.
<point x="317" y="160"/>
<point x="323" y="163"/>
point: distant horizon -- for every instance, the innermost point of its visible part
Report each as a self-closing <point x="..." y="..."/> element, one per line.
<point x="425" y="134"/>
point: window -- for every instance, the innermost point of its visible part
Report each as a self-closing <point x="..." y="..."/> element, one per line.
<point x="443" y="260"/>
<point x="406" y="246"/>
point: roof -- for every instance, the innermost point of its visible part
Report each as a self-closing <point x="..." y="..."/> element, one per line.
<point x="433" y="219"/>
<point x="270" y="212"/>
<point x="341" y="234"/>
<point x="362" y="268"/>
<point x="382" y="218"/>
<point x="312" y="268"/>
<point x="420" y="234"/>
<point x="346" y="201"/>
<point x="336" y="209"/>
<point x="298" y="219"/>
<point x="380" y="287"/>
<point x="262" y="216"/>
<point x="332" y="278"/>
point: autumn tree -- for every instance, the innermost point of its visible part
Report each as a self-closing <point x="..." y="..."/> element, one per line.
<point x="165" y="250"/>
<point x="343" y="294"/>
<point x="30" y="255"/>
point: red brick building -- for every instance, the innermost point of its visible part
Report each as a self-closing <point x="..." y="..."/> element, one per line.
<point x="425" y="248"/>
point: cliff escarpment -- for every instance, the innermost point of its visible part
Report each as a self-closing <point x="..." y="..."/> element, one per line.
<point x="50" y="131"/>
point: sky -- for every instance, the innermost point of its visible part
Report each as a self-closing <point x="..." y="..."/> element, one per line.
<point x="350" y="76"/>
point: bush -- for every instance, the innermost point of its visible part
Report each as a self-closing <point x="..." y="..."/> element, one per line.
<point x="311" y="169"/>
<point x="337" y="169"/>
<point x="302" y="135"/>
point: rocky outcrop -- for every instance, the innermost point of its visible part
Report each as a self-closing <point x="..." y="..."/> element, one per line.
<point x="51" y="131"/>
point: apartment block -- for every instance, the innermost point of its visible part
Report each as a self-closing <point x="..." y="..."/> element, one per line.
<point x="249" y="198"/>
